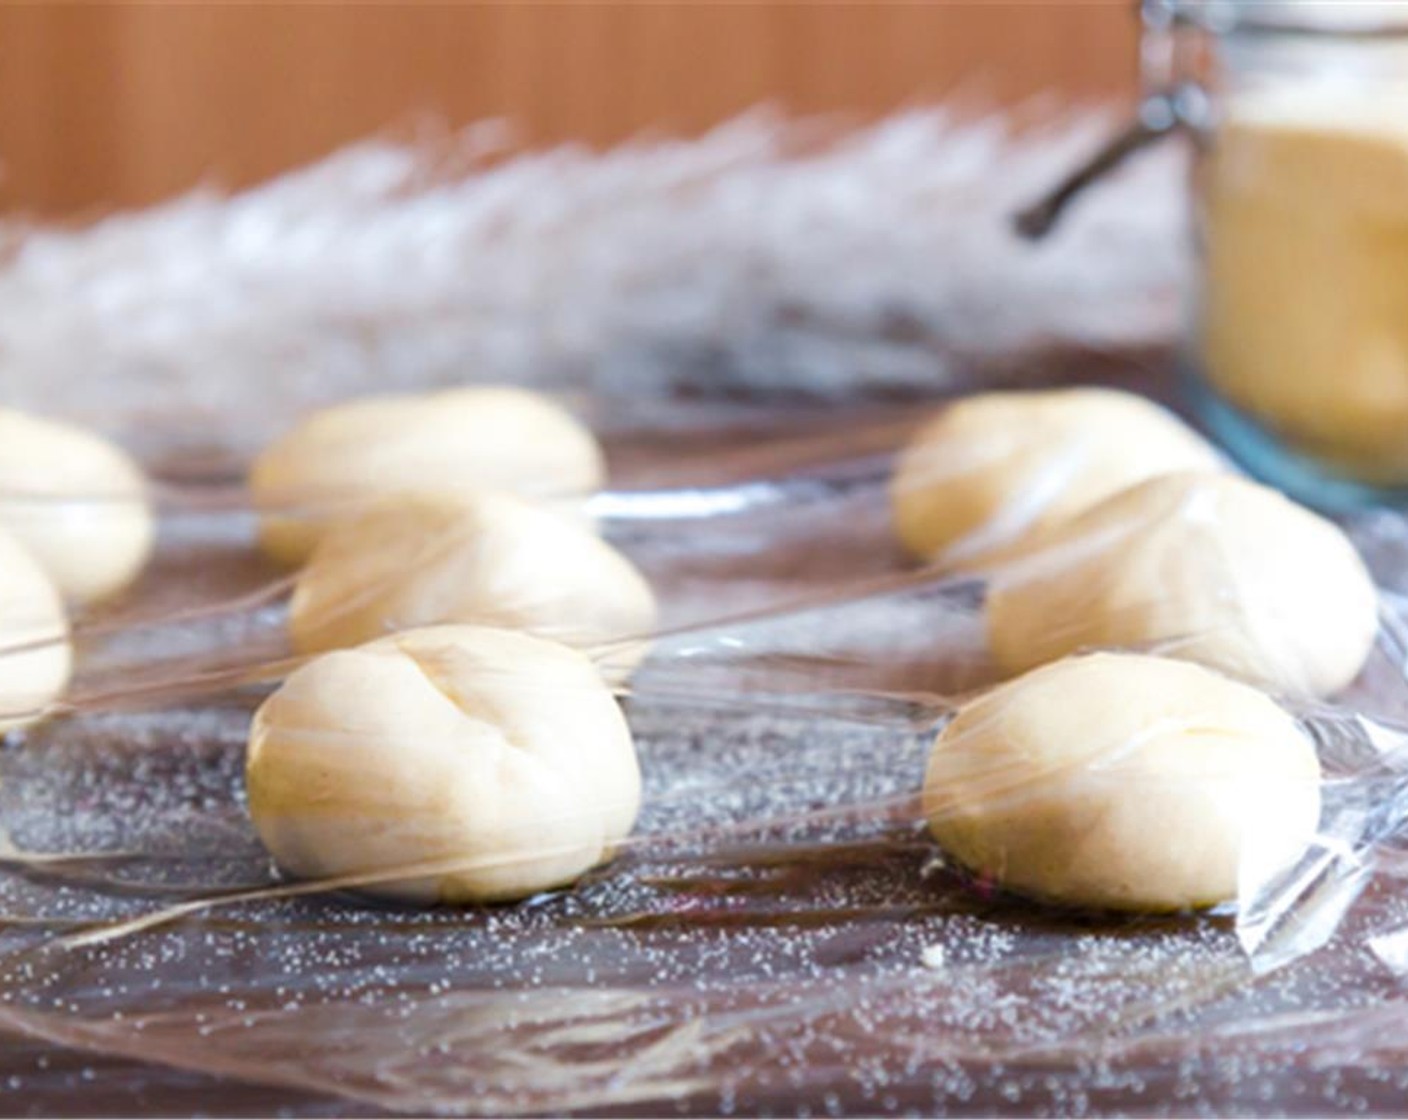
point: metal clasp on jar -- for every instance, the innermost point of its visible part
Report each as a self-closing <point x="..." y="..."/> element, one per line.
<point x="1173" y="98"/>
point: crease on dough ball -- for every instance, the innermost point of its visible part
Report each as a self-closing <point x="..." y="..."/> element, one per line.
<point x="36" y="656"/>
<point x="991" y="469"/>
<point x="501" y="757"/>
<point x="77" y="502"/>
<point x="1125" y="782"/>
<point x="338" y="460"/>
<point x="488" y="558"/>
<point x="1210" y="568"/>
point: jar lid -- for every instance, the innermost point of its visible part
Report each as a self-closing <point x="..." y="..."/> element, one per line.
<point x="1327" y="17"/>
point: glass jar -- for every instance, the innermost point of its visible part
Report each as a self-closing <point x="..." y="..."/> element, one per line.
<point x="1296" y="349"/>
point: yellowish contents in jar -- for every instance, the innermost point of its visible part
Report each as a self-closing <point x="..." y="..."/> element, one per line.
<point x="1305" y="300"/>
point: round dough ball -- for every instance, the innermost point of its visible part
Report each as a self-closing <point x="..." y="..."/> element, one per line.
<point x="78" y="503"/>
<point x="1216" y="568"/>
<point x="1124" y="782"/>
<point x="334" y="462"/>
<point x="487" y="558"/>
<point x="36" y="657"/>
<point x="990" y="469"/>
<point x="503" y="754"/>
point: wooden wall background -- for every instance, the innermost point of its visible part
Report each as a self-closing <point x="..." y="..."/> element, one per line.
<point x="118" y="104"/>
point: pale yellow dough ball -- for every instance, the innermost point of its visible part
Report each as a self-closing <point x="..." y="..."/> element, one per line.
<point x="1211" y="567"/>
<point x="340" y="459"/>
<point x="36" y="656"/>
<point x="77" y="502"/>
<point x="486" y="558"/>
<point x="1124" y="782"/>
<point x="991" y="469"/>
<point x="501" y="758"/>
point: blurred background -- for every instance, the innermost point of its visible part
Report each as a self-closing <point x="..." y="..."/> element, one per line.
<point x="111" y="105"/>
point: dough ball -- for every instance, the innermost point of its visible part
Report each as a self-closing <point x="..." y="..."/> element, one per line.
<point x="338" y="459"/>
<point x="35" y="654"/>
<point x="1124" y="782"/>
<point x="487" y="558"/>
<point x="78" y="503"/>
<point x="992" y="468"/>
<point x="1216" y="568"/>
<point x="502" y="752"/>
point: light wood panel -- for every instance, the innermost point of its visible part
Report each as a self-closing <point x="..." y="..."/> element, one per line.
<point x="116" y="104"/>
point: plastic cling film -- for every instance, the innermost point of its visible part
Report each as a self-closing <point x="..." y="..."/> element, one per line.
<point x="766" y="537"/>
<point x="786" y="909"/>
<point x="210" y="608"/>
<point x="818" y="911"/>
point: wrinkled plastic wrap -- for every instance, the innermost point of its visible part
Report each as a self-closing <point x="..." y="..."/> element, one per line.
<point x="778" y="935"/>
